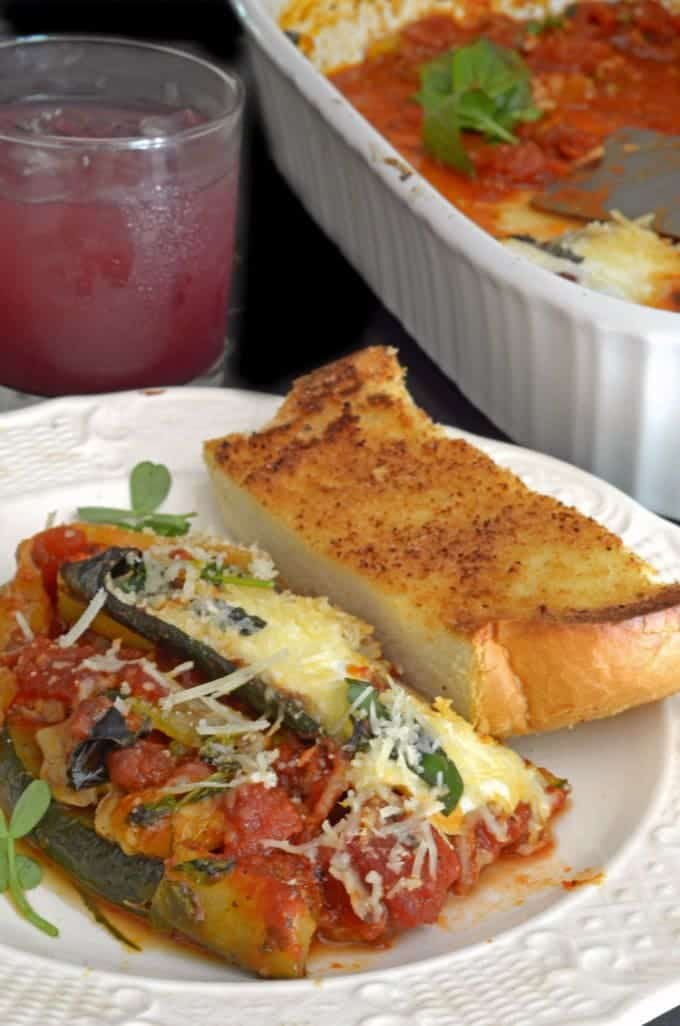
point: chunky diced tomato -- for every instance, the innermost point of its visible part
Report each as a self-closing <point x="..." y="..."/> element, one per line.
<point x="408" y="906"/>
<point x="44" y="670"/>
<point x="400" y="903"/>
<point x="254" y="813"/>
<point x="142" y="765"/>
<point x="339" y="921"/>
<point x="55" y="546"/>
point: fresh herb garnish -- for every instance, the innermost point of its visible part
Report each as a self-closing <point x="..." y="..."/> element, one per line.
<point x="551" y="21"/>
<point x="482" y="88"/>
<point x="207" y="870"/>
<point x="215" y="574"/>
<point x="20" y="873"/>
<point x="367" y="698"/>
<point x="201" y="791"/>
<point x="434" y="765"/>
<point x="147" y="814"/>
<point x="149" y="487"/>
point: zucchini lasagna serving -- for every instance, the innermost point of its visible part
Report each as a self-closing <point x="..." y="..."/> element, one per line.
<point x="492" y="105"/>
<point x="237" y="762"/>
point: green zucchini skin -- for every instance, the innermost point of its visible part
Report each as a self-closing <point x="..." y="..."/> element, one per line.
<point x="87" y="576"/>
<point x="256" y="922"/>
<point x="229" y="914"/>
<point x="65" y="835"/>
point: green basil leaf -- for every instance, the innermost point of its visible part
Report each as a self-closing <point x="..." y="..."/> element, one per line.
<point x="435" y="79"/>
<point x="441" y="135"/>
<point x="30" y="809"/>
<point x="149" y="813"/>
<point x="149" y="486"/>
<point x="436" y="768"/>
<point x="370" y="698"/>
<point x="529" y="114"/>
<point x="483" y="88"/>
<point x="3" y="826"/>
<point x="514" y="103"/>
<point x="477" y="113"/>
<point x="29" y="872"/>
<point x="486" y="67"/>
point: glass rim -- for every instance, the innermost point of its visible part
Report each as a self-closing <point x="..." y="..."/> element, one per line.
<point x="133" y="142"/>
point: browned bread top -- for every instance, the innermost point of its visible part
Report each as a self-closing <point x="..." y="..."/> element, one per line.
<point x="354" y="467"/>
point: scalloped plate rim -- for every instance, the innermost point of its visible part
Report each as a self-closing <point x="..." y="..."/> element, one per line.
<point x="649" y="994"/>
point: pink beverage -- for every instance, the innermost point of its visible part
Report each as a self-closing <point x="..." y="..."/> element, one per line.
<point x="116" y="241"/>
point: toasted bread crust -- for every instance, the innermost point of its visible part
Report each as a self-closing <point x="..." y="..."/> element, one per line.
<point x="543" y="676"/>
<point x="535" y="591"/>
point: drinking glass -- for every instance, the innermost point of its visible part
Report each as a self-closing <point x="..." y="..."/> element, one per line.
<point x="118" y="186"/>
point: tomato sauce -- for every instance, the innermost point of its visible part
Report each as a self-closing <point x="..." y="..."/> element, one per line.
<point x="55" y="546"/>
<point x="366" y="886"/>
<point x="597" y="69"/>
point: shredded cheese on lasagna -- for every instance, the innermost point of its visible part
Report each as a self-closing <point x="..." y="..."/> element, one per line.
<point x="85" y="621"/>
<point x="24" y="625"/>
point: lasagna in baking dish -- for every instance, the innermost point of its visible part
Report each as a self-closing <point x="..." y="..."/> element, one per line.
<point x="490" y="107"/>
<point x="236" y="761"/>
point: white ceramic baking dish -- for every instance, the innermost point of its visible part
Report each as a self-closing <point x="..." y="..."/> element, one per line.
<point x="562" y="369"/>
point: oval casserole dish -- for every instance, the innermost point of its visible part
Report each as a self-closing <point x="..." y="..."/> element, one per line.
<point x="568" y="371"/>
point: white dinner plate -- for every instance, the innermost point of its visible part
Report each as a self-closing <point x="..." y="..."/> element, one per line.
<point x="525" y="951"/>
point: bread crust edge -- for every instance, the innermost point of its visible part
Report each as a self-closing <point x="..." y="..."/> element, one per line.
<point x="540" y="676"/>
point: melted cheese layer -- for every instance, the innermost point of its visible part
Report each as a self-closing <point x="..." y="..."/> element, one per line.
<point x="311" y="643"/>
<point x="307" y="647"/>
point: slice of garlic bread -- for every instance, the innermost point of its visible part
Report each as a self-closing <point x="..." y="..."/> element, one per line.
<point x="526" y="614"/>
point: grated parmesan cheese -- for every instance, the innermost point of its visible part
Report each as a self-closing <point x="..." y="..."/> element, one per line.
<point x="24" y="625"/>
<point x="85" y="620"/>
<point x="182" y="668"/>
<point x="223" y="686"/>
<point x="304" y="649"/>
<point x="236" y="727"/>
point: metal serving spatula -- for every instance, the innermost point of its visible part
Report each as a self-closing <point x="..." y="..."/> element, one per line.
<point x="639" y="173"/>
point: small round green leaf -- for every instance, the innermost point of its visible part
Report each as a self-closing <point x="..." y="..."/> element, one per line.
<point x="29" y="872"/>
<point x="149" y="486"/>
<point x="30" y="809"/>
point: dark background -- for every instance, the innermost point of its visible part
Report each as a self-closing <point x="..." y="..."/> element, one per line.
<point x="274" y="333"/>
